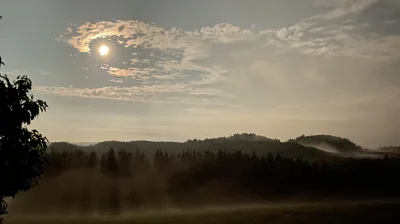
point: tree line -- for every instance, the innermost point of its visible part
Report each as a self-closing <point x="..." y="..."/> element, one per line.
<point x="85" y="182"/>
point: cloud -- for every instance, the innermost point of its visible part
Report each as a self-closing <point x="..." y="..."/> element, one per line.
<point x="171" y="94"/>
<point x="319" y="34"/>
<point x="14" y="72"/>
<point x="328" y="54"/>
<point x="116" y="81"/>
<point x="138" y="74"/>
<point x="350" y="29"/>
<point x="341" y="8"/>
<point x="42" y="72"/>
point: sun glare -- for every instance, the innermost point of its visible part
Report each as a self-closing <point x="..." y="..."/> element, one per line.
<point x="103" y="50"/>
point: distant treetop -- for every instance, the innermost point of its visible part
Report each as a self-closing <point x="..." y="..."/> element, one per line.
<point x="342" y="144"/>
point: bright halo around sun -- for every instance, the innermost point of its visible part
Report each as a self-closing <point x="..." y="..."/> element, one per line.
<point x="103" y="50"/>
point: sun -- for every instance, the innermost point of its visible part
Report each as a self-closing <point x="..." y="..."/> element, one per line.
<point x="103" y="50"/>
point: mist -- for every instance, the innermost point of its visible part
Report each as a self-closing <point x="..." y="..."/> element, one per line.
<point x="324" y="147"/>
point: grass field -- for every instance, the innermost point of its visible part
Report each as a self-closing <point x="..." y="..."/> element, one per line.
<point x="325" y="213"/>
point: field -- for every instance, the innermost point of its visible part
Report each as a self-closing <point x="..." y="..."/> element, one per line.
<point x="326" y="213"/>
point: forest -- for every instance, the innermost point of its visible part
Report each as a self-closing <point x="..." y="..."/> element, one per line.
<point x="78" y="180"/>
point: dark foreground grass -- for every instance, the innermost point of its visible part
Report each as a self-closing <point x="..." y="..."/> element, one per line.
<point x="324" y="213"/>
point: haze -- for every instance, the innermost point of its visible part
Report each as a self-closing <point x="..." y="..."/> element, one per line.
<point x="193" y="69"/>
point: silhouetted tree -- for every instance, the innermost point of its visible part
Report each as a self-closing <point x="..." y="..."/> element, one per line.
<point x="125" y="162"/>
<point x="22" y="152"/>
<point x="103" y="163"/>
<point x="92" y="163"/>
<point x="193" y="177"/>
<point x="112" y="162"/>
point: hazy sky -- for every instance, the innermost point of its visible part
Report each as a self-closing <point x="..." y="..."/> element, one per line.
<point x="194" y="69"/>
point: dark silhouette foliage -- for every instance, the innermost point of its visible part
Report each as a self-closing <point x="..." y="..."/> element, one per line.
<point x="341" y="144"/>
<point x="22" y="151"/>
<point x="245" y="142"/>
<point x="125" y="180"/>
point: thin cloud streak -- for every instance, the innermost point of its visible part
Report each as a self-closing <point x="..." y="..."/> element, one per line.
<point x="150" y="94"/>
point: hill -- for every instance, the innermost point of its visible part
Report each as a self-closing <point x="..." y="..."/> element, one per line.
<point x="247" y="143"/>
<point x="314" y="147"/>
<point x="329" y="143"/>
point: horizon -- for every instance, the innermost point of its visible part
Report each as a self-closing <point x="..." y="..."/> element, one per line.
<point x="127" y="70"/>
<point x="85" y="143"/>
<point x="184" y="141"/>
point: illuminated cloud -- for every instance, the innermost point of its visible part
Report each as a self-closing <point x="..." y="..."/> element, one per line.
<point x="154" y="93"/>
<point x="340" y="45"/>
<point x="116" y="81"/>
<point x="338" y="31"/>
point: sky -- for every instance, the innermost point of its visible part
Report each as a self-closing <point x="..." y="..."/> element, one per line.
<point x="180" y="69"/>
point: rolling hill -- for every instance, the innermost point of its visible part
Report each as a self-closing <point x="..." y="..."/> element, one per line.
<point x="314" y="147"/>
<point x="247" y="143"/>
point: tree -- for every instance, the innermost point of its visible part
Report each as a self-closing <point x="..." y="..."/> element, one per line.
<point x="125" y="162"/>
<point x="22" y="151"/>
<point x="92" y="160"/>
<point x="103" y="163"/>
<point x="112" y="163"/>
